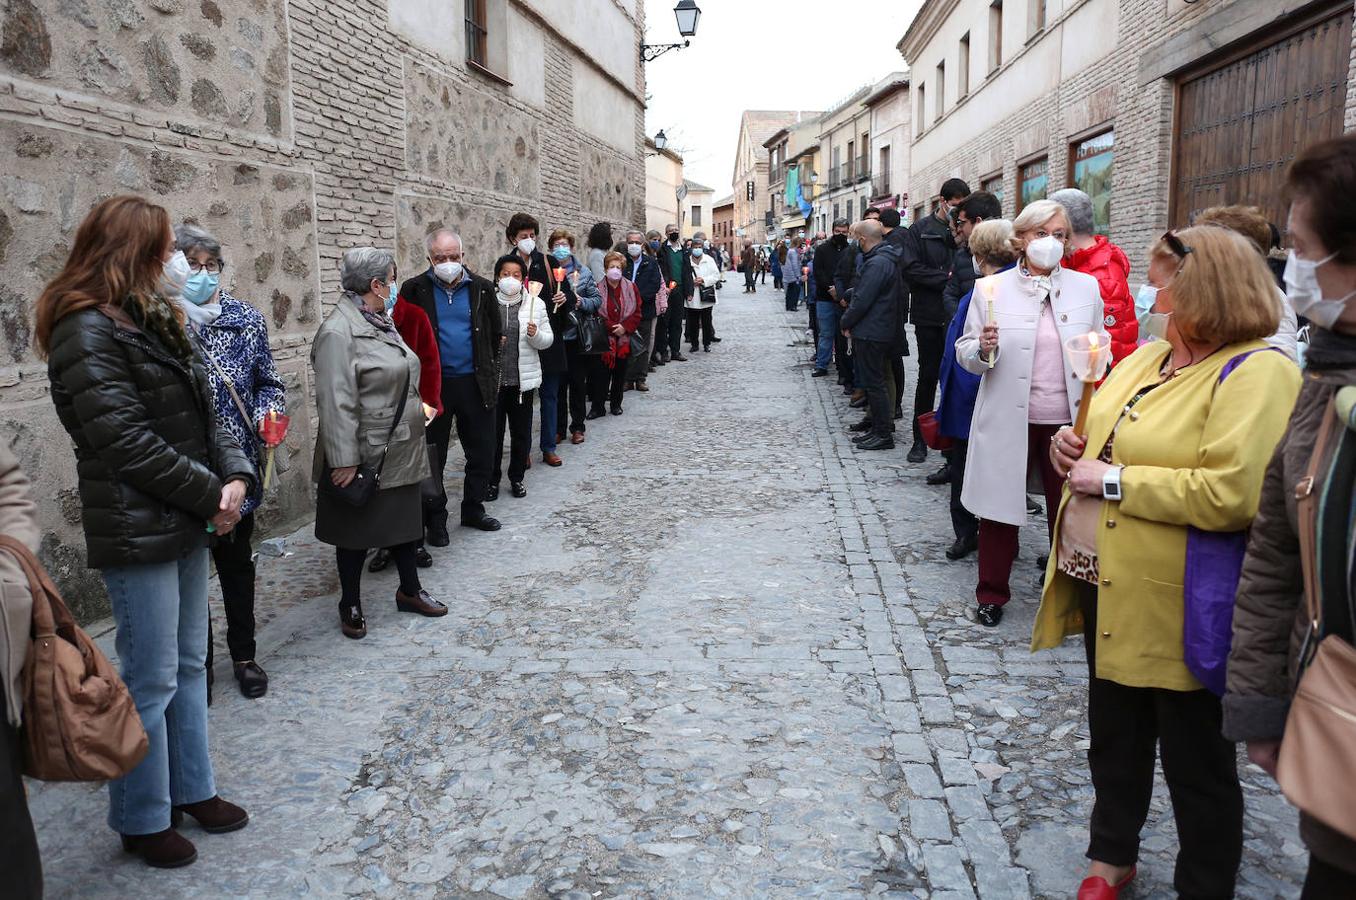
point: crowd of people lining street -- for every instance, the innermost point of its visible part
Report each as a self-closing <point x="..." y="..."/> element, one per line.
<point x="1198" y="466"/>
<point x="1176" y="505"/>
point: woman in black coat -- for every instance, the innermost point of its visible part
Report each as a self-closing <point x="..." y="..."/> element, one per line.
<point x="158" y="477"/>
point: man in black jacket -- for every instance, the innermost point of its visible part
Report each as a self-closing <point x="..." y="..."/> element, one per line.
<point x="675" y="267"/>
<point x="827" y="310"/>
<point x="872" y="324"/>
<point x="844" y="277"/>
<point x="929" y="251"/>
<point x="462" y="309"/>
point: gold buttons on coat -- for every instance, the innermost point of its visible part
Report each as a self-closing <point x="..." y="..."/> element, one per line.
<point x="1110" y="523"/>
<point x="1106" y="634"/>
<point x="1134" y="417"/>
<point x="1106" y="582"/>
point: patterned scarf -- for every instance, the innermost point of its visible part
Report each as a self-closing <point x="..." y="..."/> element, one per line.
<point x="156" y="317"/>
<point x="380" y="321"/>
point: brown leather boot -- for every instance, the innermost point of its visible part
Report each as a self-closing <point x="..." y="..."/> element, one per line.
<point x="422" y="604"/>
<point x="215" y="815"/>
<point x="166" y="849"/>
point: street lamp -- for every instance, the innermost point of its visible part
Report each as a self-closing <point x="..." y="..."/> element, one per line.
<point x="687" y="13"/>
<point x="660" y="140"/>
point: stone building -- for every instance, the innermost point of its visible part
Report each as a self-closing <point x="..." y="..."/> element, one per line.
<point x="663" y="178"/>
<point x="722" y="228"/>
<point x="845" y="148"/>
<point x="295" y="130"/>
<point x="793" y="156"/>
<point x="696" y="206"/>
<point x="1157" y="108"/>
<point x="750" y="179"/>
<point x="891" y="135"/>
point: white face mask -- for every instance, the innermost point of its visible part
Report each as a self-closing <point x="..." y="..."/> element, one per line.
<point x="527" y="245"/>
<point x="633" y="249"/>
<point x="1301" y="288"/>
<point x="978" y="270"/>
<point x="176" y="274"/>
<point x="509" y="286"/>
<point x="1152" y="325"/>
<point x="1045" y="252"/>
<point x="447" y="272"/>
<point x="697" y="251"/>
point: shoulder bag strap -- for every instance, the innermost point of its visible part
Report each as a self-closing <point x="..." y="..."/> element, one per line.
<point x="230" y="389"/>
<point x="399" y="414"/>
<point x="50" y="615"/>
<point x="1307" y="514"/>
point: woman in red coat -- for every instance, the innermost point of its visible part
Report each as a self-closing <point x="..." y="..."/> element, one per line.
<point x="1094" y="255"/>
<point x="621" y="310"/>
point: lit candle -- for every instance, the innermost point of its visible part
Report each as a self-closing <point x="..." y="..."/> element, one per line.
<point x="989" y="288"/>
<point x="1089" y="383"/>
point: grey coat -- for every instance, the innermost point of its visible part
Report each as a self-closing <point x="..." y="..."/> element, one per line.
<point x="358" y="373"/>
<point x="19" y="520"/>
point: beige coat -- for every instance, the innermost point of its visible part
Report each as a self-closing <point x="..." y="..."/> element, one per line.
<point x="18" y="519"/>
<point x="996" y="465"/>
<point x="358" y="373"/>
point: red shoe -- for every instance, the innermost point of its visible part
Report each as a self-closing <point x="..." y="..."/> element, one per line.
<point x="1098" y="888"/>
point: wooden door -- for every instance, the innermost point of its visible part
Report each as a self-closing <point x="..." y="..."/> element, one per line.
<point x="1242" y="119"/>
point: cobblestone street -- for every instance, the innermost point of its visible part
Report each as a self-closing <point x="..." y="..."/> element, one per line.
<point x="719" y="653"/>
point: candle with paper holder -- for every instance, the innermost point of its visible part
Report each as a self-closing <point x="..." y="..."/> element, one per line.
<point x="1089" y="356"/>
<point x="990" y="288"/>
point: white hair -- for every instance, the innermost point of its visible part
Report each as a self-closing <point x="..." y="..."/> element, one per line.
<point x="363" y="265"/>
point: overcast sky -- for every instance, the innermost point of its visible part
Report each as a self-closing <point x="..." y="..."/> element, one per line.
<point x="747" y="54"/>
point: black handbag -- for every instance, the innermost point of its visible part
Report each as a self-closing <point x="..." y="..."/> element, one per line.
<point x="592" y="330"/>
<point x="367" y="480"/>
<point x="708" y="294"/>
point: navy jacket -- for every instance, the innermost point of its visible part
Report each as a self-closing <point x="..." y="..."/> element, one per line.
<point x="873" y="313"/>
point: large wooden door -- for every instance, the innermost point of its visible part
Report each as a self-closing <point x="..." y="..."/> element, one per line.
<point x="1241" y="119"/>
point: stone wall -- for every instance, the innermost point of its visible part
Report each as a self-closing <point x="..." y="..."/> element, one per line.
<point x="1108" y="91"/>
<point x="292" y="130"/>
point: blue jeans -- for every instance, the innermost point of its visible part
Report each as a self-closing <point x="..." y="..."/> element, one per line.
<point x="828" y="313"/>
<point x="161" y="615"/>
<point x="550" y="411"/>
<point x="792" y="295"/>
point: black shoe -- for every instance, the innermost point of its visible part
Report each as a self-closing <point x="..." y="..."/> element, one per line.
<point x="918" y="452"/>
<point x="380" y="560"/>
<point x="848" y="390"/>
<point x="616" y="409"/>
<point x="678" y="357"/>
<point x="863" y="425"/>
<point x="422" y="559"/>
<point x="989" y="615"/>
<point x="714" y="339"/>
<point x="1042" y="562"/>
<point x="658" y="361"/>
<point x="1032" y="507"/>
<point x="484" y="523"/>
<point x="596" y="413"/>
<point x="437" y="536"/>
<point x="963" y="547"/>
<point x="857" y="404"/>
<point x="516" y="489"/>
<point x="706" y="349"/>
<point x="492" y="494"/>
<point x="899" y="414"/>
<point x="819" y="373"/>
<point x="876" y="442"/>
<point x="352" y="623"/>
<point x="253" y="680"/>
<point x="941" y="476"/>
<point x="863" y="438"/>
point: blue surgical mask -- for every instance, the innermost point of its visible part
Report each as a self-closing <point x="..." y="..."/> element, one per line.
<point x="390" y="299"/>
<point x="561" y="253"/>
<point x="1152" y="325"/>
<point x="697" y="251"/>
<point x="201" y="287"/>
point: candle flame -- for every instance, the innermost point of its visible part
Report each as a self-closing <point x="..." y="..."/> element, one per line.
<point x="1093" y="340"/>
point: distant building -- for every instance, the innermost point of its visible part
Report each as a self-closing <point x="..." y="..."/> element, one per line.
<point x="1157" y="108"/>
<point x="891" y="135"/>
<point x="845" y="148"/>
<point x="750" y="180"/>
<point x="722" y="228"/>
<point x="696" y="208"/>
<point x="663" y="180"/>
<point x="793" y="162"/>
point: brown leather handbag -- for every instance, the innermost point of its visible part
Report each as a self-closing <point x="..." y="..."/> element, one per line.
<point x="79" y="722"/>
<point x="1318" y="752"/>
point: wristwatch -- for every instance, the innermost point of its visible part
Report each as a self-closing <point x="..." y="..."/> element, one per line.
<point x="1111" y="483"/>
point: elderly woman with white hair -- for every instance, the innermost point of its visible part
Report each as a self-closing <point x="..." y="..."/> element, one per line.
<point x="701" y="302"/>
<point x="370" y="455"/>
<point x="1027" y="390"/>
<point x="1092" y="254"/>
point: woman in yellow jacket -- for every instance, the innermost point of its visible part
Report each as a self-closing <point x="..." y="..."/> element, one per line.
<point x="1178" y="437"/>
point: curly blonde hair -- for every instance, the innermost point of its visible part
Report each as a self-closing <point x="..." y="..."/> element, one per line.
<point x="991" y="243"/>
<point x="1223" y="292"/>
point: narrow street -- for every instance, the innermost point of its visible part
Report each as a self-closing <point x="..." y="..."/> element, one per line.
<point x="718" y="654"/>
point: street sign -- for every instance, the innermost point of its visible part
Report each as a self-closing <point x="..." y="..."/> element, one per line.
<point x="681" y="192"/>
<point x="748" y="191"/>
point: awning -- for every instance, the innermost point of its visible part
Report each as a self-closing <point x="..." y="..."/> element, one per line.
<point x="790" y="223"/>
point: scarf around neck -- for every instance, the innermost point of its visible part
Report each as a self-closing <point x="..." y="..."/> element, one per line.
<point x="200" y="316"/>
<point x="1329" y="350"/>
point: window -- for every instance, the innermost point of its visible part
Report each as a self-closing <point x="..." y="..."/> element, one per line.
<point x="1036" y="22"/>
<point x="834" y="173"/>
<point x="883" y="173"/>
<point x="696" y="216"/>
<point x="963" y="68"/>
<point x="863" y="212"/>
<point x="994" y="185"/>
<point x="1033" y="181"/>
<point x="920" y="118"/>
<point x="918" y="213"/>
<point x="941" y="91"/>
<point x="477" y="29"/>
<point x="836" y="217"/>
<point x="851" y="161"/>
<point x="1090" y="171"/>
<point x="995" y="35"/>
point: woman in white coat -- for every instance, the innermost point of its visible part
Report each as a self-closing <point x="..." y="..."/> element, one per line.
<point x="1027" y="391"/>
<point x="706" y="288"/>
<point x="527" y="329"/>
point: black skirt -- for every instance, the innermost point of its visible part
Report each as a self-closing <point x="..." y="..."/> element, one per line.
<point x="393" y="517"/>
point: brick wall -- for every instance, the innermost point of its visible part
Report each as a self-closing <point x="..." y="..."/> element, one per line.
<point x="293" y="130"/>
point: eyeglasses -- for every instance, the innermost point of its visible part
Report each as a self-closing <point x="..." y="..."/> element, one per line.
<point x="1179" y="249"/>
<point x="211" y="267"/>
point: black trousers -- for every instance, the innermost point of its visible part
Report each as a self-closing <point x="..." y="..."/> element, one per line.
<point x="873" y="362"/>
<point x="574" y="388"/>
<point x="699" y="322"/>
<point x="1199" y="765"/>
<point x="931" y="341"/>
<point x="963" y="522"/>
<point x="19" y="858"/>
<point x="749" y="276"/>
<point x="234" y="558"/>
<point x="350" y="564"/>
<point x="463" y="405"/>
<point x="842" y="359"/>
<point x="673" y="320"/>
<point x="513" y="413"/>
<point x="1324" y="881"/>
<point x="897" y="383"/>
